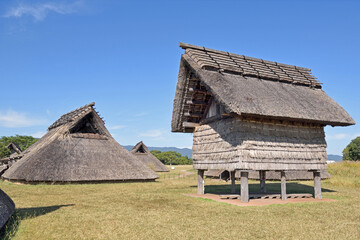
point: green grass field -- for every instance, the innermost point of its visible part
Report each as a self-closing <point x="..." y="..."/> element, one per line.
<point x="162" y="210"/>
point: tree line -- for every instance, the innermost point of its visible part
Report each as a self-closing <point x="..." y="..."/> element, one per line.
<point x="23" y="142"/>
<point x="172" y="158"/>
<point x="350" y="153"/>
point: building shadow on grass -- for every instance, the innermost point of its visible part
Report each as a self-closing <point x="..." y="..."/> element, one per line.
<point x="291" y="187"/>
<point x="12" y="225"/>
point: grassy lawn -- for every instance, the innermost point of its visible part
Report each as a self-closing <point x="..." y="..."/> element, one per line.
<point x="161" y="210"/>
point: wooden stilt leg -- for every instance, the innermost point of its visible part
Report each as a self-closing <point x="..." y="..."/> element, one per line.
<point x="233" y="190"/>
<point x="262" y="176"/>
<point x="200" y="183"/>
<point x="317" y="185"/>
<point x="283" y="186"/>
<point x="244" y="187"/>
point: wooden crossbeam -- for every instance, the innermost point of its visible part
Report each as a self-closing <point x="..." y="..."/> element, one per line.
<point x="190" y="124"/>
<point x="187" y="114"/>
<point x="196" y="90"/>
<point x="195" y="102"/>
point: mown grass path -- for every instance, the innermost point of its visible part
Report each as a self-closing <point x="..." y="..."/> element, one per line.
<point x="162" y="210"/>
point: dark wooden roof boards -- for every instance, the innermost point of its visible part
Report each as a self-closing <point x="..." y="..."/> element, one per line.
<point x="249" y="87"/>
<point x="211" y="59"/>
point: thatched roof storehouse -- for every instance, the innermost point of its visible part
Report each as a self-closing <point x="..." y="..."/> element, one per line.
<point x="78" y="148"/>
<point x="251" y="114"/>
<point x="7" y="208"/>
<point x="142" y="152"/>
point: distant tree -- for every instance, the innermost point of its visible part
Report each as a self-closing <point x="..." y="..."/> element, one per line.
<point x="352" y="151"/>
<point x="172" y="158"/>
<point x="22" y="141"/>
<point x="155" y="152"/>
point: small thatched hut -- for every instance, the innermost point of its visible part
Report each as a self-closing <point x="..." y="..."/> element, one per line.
<point x="16" y="154"/>
<point x="7" y="208"/>
<point x="78" y="148"/>
<point x="142" y="152"/>
<point x="14" y="149"/>
<point x="250" y="114"/>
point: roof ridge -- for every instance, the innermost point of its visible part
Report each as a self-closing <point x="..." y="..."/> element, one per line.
<point x="67" y="116"/>
<point x="186" y="45"/>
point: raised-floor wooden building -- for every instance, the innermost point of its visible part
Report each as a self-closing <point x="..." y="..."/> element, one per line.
<point x="251" y="114"/>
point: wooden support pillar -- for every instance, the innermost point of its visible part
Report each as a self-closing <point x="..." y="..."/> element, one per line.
<point x="200" y="182"/>
<point x="283" y="186"/>
<point x="262" y="177"/>
<point x="232" y="176"/>
<point x="244" y="187"/>
<point x="317" y="185"/>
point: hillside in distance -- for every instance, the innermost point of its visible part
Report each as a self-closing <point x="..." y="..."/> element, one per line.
<point x="334" y="157"/>
<point x="188" y="152"/>
<point x="182" y="151"/>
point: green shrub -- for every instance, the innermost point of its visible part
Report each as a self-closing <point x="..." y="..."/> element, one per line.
<point x="22" y="141"/>
<point x="172" y="158"/>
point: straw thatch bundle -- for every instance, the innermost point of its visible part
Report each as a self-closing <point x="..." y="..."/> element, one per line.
<point x="78" y="148"/>
<point x="7" y="208"/>
<point x="142" y="152"/>
<point x="252" y="114"/>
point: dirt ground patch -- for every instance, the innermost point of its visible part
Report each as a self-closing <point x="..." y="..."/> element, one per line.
<point x="258" y="202"/>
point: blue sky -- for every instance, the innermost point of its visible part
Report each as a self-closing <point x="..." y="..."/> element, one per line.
<point x="56" y="56"/>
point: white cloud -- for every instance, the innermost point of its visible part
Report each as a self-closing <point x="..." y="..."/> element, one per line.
<point x="338" y="136"/>
<point x="116" y="127"/>
<point x="140" y="114"/>
<point x="40" y="11"/>
<point x="190" y="147"/>
<point x="154" y="133"/>
<point x="38" y="134"/>
<point x="341" y="136"/>
<point x="12" y="119"/>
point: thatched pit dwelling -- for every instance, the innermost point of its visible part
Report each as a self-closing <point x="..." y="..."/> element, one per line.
<point x="7" y="208"/>
<point x="142" y="152"/>
<point x="78" y="148"/>
<point x="15" y="155"/>
<point x="250" y="114"/>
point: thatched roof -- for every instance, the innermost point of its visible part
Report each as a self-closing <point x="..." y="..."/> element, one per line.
<point x="270" y="175"/>
<point x="16" y="154"/>
<point x="249" y="87"/>
<point x="14" y="149"/>
<point x="7" y="208"/>
<point x="142" y="152"/>
<point x="78" y="148"/>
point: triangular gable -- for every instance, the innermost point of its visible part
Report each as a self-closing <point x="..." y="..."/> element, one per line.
<point x="142" y="153"/>
<point x="140" y="148"/>
<point x="14" y="148"/>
